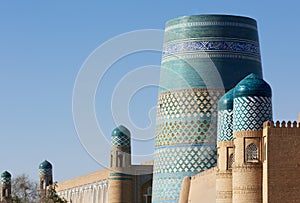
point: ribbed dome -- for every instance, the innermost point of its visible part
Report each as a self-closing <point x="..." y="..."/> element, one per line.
<point x="120" y="136"/>
<point x="5" y="174"/>
<point x="226" y="102"/>
<point x="252" y="85"/>
<point x="45" y="165"/>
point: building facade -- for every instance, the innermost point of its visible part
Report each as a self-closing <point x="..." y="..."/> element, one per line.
<point x="257" y="160"/>
<point x="123" y="182"/>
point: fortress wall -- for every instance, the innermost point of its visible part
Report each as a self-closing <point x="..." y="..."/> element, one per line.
<point x="203" y="187"/>
<point x="282" y="162"/>
<point x="83" y="180"/>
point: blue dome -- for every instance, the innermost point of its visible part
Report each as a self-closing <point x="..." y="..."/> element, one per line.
<point x="5" y="174"/>
<point x="226" y="102"/>
<point x="120" y="136"/>
<point x="121" y="131"/>
<point x="45" y="165"/>
<point x="252" y="85"/>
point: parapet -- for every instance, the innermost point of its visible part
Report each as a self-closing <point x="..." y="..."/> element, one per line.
<point x="282" y="124"/>
<point x="281" y="128"/>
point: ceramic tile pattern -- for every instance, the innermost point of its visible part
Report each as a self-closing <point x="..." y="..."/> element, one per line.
<point x="225" y="125"/>
<point x="251" y="112"/>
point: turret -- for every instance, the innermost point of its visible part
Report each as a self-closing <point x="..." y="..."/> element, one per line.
<point x="225" y="149"/>
<point x="6" y="186"/>
<point x="120" y="148"/>
<point x="252" y="107"/>
<point x="45" y="179"/>
<point x="121" y="180"/>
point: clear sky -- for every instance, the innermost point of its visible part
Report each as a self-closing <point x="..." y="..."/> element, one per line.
<point x="43" y="44"/>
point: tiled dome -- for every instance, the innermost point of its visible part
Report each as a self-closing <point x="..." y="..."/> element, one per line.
<point x="120" y="136"/>
<point x="226" y="102"/>
<point x="5" y="174"/>
<point x="252" y="85"/>
<point x="45" y="165"/>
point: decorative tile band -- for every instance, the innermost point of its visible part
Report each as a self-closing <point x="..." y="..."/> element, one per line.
<point x="45" y="171"/>
<point x="251" y="112"/>
<point x="183" y="56"/>
<point x="185" y="132"/>
<point x="217" y="46"/>
<point x="119" y="174"/>
<point x="225" y="125"/>
<point x="188" y="159"/>
<point x="120" y="178"/>
<point x="120" y="141"/>
<point x="188" y="103"/>
<point x="212" y="23"/>
<point x="5" y="181"/>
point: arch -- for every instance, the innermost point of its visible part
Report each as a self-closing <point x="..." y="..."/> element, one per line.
<point x="230" y="161"/>
<point x="252" y="153"/>
<point x="120" y="157"/>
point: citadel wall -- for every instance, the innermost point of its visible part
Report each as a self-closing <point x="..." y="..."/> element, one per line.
<point x="281" y="162"/>
<point x="203" y="187"/>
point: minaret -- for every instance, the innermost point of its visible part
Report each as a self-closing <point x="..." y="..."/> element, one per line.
<point x="6" y="186"/>
<point x="45" y="179"/>
<point x="252" y="107"/>
<point x="225" y="149"/>
<point x="121" y="180"/>
<point x="202" y="55"/>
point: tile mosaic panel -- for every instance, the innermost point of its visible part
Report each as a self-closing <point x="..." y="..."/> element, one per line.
<point x="5" y="180"/>
<point x="186" y="132"/>
<point x="45" y="171"/>
<point x="120" y="141"/>
<point x="186" y="158"/>
<point x="188" y="103"/>
<point x="251" y="112"/>
<point x="225" y="125"/>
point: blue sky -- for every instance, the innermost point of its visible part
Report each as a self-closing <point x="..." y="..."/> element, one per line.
<point x="44" y="43"/>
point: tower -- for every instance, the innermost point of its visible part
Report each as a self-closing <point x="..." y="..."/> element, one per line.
<point x="252" y="107"/>
<point x="225" y="149"/>
<point x="45" y="179"/>
<point x="202" y="55"/>
<point x="6" y="186"/>
<point x="121" y="180"/>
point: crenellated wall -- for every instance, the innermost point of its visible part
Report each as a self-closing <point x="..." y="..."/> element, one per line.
<point x="281" y="162"/>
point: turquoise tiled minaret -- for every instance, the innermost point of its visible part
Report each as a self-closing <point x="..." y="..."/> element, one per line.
<point x="197" y="51"/>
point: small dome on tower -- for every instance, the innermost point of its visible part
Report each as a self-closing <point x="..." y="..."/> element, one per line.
<point x="45" y="165"/>
<point x="252" y="85"/>
<point x="120" y="136"/>
<point x="5" y="174"/>
<point x="226" y="102"/>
